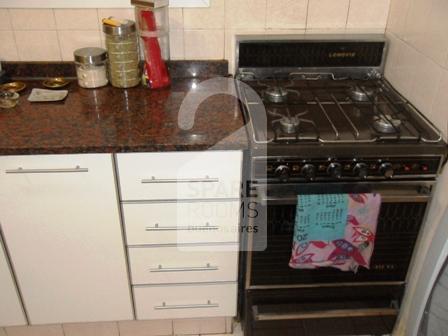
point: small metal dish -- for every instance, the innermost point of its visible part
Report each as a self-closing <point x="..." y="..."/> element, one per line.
<point x="55" y="83"/>
<point x="13" y="86"/>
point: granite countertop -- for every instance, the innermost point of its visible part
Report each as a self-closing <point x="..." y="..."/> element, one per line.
<point x="108" y="120"/>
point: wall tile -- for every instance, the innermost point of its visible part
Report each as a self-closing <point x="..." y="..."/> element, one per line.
<point x="32" y="19"/>
<point x="416" y="21"/>
<point x="37" y="46"/>
<point x="434" y="41"/>
<point x="250" y="14"/>
<point x="5" y="22"/>
<point x="397" y="16"/>
<point x="70" y="40"/>
<point x="45" y="330"/>
<point x="76" y="19"/>
<point x="204" y="44"/>
<point x="8" y="48"/>
<point x="368" y="14"/>
<point x="119" y="13"/>
<point x="401" y="72"/>
<point x="425" y="83"/>
<point x="146" y="328"/>
<point x="286" y="14"/>
<point x="177" y="51"/>
<point x="327" y="13"/>
<point x="439" y="112"/>
<point x="176" y="16"/>
<point x="205" y="18"/>
<point x="91" y="329"/>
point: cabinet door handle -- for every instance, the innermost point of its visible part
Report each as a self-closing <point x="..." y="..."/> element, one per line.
<point x="162" y="269"/>
<point x="21" y="170"/>
<point x="206" y="227"/>
<point x="181" y="180"/>
<point x="209" y="304"/>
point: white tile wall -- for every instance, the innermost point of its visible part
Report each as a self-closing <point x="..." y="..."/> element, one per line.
<point x="368" y="13"/>
<point x="327" y="13"/>
<point x="198" y="33"/>
<point x="286" y="14"/>
<point x="418" y="58"/>
<point x="40" y="45"/>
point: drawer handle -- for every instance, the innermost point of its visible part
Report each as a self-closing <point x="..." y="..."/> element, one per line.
<point x="162" y="269"/>
<point x="21" y="170"/>
<point x="209" y="304"/>
<point x="206" y="227"/>
<point x="184" y="180"/>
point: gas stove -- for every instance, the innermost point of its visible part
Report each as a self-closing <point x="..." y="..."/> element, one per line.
<point x="322" y="119"/>
<point x="325" y="97"/>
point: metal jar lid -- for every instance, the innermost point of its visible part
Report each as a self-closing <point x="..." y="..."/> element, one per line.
<point x="91" y="55"/>
<point x="127" y="27"/>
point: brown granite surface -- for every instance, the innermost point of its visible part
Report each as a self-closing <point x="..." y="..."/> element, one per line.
<point x="110" y="120"/>
<point x="177" y="69"/>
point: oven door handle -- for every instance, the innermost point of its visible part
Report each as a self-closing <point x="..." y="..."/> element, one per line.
<point x="400" y="194"/>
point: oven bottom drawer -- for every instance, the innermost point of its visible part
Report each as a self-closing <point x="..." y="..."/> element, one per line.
<point x="351" y="310"/>
<point x="185" y="301"/>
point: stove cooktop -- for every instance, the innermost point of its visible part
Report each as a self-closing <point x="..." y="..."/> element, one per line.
<point x="293" y="110"/>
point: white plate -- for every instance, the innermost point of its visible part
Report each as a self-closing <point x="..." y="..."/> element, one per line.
<point x="42" y="95"/>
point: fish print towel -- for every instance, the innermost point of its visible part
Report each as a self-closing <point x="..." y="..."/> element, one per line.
<point x="335" y="230"/>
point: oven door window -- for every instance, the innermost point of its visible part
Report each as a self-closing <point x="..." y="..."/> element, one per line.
<point x="397" y="231"/>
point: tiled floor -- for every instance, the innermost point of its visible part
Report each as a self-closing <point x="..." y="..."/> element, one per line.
<point x="186" y="327"/>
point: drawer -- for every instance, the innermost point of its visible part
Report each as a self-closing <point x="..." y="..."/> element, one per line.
<point x="189" y="301"/>
<point x="171" y="223"/>
<point x="180" y="175"/>
<point x="163" y="265"/>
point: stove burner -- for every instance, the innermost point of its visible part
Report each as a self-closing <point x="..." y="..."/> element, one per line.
<point x="386" y="124"/>
<point x="289" y="124"/>
<point x="360" y="94"/>
<point x="276" y="94"/>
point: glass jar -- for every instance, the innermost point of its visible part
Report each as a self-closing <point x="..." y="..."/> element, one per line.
<point x="160" y="10"/>
<point x="91" y="68"/>
<point x="122" y="47"/>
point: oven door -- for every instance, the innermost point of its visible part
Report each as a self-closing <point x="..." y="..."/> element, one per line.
<point x="402" y="213"/>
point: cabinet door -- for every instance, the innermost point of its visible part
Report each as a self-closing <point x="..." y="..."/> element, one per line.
<point x="61" y="223"/>
<point x="11" y="312"/>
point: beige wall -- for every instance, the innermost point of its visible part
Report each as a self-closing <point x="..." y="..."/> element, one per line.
<point x="418" y="58"/>
<point x="205" y="33"/>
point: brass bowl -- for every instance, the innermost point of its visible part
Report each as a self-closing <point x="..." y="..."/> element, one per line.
<point x="13" y="86"/>
<point x="55" y="83"/>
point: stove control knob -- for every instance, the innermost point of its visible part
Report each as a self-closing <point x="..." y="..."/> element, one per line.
<point x="309" y="171"/>
<point x="361" y="170"/>
<point x="282" y="172"/>
<point x="387" y="170"/>
<point x="335" y="170"/>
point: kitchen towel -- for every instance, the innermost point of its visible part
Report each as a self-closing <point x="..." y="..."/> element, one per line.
<point x="335" y="230"/>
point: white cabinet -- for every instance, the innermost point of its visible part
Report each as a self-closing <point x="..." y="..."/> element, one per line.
<point x="181" y="214"/>
<point x="186" y="175"/>
<point x="60" y="218"/>
<point x="11" y="312"/>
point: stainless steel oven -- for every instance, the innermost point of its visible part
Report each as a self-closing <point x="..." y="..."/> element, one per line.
<point x="328" y="301"/>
